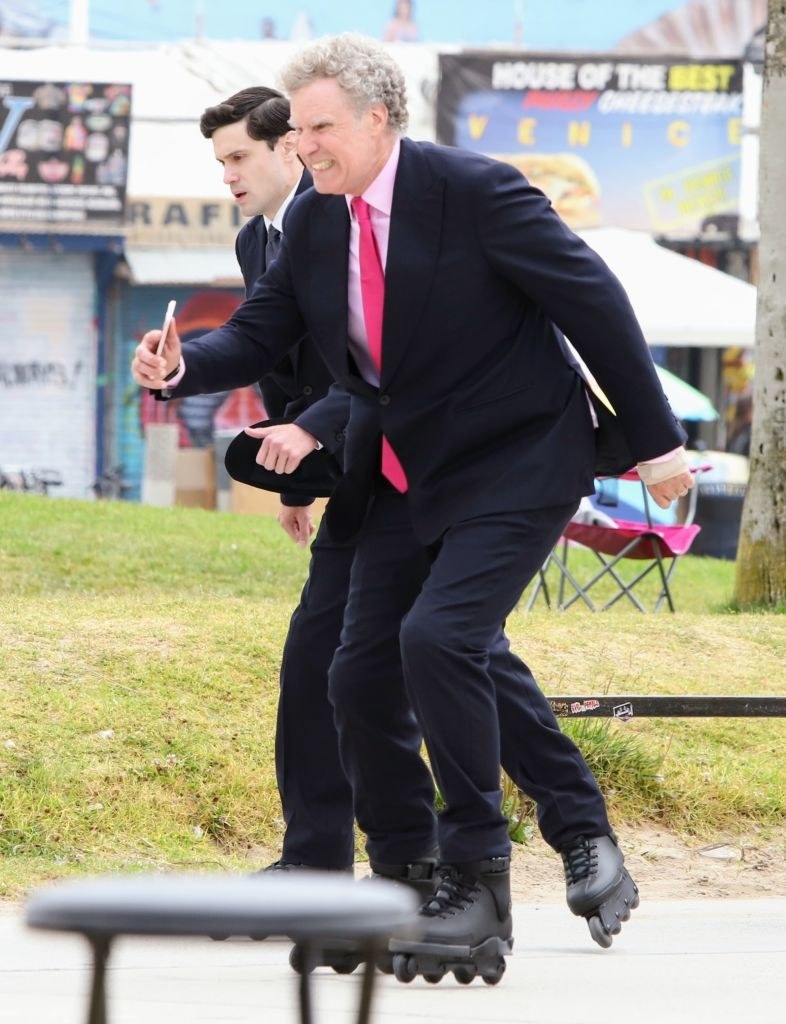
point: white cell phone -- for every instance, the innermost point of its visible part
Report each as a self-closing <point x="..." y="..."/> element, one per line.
<point x="170" y="312"/>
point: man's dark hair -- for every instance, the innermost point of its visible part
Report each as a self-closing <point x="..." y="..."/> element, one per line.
<point x="265" y="111"/>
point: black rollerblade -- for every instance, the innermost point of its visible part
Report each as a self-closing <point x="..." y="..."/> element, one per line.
<point x="467" y="926"/>
<point x="278" y="866"/>
<point x="598" y="887"/>
<point x="284" y="865"/>
<point x="343" y="956"/>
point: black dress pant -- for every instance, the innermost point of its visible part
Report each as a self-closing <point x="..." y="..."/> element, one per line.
<point x="316" y="797"/>
<point x="423" y="629"/>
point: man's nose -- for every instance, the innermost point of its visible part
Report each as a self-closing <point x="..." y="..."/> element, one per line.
<point x="229" y="175"/>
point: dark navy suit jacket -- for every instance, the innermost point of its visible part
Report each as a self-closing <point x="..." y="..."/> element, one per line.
<point x="478" y="395"/>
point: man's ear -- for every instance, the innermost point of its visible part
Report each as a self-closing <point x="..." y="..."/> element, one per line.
<point x="288" y="144"/>
<point x="378" y="117"/>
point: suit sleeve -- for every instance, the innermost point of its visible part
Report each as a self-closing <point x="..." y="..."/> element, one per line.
<point x="326" y="420"/>
<point x="527" y="242"/>
<point x="250" y="344"/>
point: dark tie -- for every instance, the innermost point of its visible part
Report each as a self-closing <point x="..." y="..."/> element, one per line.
<point x="272" y="246"/>
<point x="372" y="289"/>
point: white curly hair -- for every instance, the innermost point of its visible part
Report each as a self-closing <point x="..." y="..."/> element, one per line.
<point x="362" y="67"/>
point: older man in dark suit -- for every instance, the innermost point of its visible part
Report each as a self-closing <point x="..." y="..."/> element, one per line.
<point x="439" y="287"/>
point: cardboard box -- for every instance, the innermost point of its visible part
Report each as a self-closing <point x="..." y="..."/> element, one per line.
<point x="195" y="478"/>
<point x="254" y="501"/>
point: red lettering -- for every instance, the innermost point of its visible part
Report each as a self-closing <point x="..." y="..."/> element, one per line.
<point x="538" y="99"/>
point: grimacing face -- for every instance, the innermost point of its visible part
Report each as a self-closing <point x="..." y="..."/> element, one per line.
<point x="260" y="178"/>
<point x="343" y="150"/>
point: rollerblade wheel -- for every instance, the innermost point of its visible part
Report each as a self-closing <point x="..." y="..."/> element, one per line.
<point x="404" y="967"/>
<point x="494" y="974"/>
<point x="434" y="977"/>
<point x="296" y="959"/>
<point x="385" y="963"/>
<point x="346" y="965"/>
<point x="599" y="933"/>
<point x="465" y="975"/>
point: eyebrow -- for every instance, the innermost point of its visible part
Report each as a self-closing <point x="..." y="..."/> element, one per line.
<point x="227" y="156"/>
<point x="321" y="122"/>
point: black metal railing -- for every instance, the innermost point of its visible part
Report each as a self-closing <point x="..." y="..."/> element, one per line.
<point x="643" y="706"/>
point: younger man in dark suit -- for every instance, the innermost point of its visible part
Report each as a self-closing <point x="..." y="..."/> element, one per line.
<point x="256" y="147"/>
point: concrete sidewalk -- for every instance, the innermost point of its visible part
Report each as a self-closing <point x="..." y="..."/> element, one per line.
<point x="686" y="962"/>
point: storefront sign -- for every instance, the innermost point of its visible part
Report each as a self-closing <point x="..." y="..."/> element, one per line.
<point x="170" y="220"/>
<point x="63" y="155"/>
<point x="649" y="144"/>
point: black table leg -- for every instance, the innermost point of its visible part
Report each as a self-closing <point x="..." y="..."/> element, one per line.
<point x="367" y="984"/>
<point x="96" y="1013"/>
<point x="308" y="954"/>
<point x="369" y="954"/>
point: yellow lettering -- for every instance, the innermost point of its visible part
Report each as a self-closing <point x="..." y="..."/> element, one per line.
<point x="700" y="77"/>
<point x="709" y="180"/>
<point x="526" y="132"/>
<point x="734" y="131"/>
<point x="707" y="203"/>
<point x="678" y="133"/>
<point x="477" y="125"/>
<point x="627" y="134"/>
<point x="579" y="133"/>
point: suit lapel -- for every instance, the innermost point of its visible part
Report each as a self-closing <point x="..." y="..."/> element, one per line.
<point x="305" y="182"/>
<point x="262" y="239"/>
<point x="413" y="248"/>
<point x="328" y="245"/>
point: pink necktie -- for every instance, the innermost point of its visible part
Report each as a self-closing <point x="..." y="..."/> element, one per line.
<point x="372" y="289"/>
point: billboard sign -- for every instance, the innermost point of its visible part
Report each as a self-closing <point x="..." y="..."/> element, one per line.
<point x="652" y="144"/>
<point x="63" y="155"/>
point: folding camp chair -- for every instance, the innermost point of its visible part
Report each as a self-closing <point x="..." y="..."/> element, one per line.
<point x="656" y="549"/>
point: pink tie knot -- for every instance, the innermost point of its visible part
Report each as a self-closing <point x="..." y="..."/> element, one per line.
<point x="361" y="209"/>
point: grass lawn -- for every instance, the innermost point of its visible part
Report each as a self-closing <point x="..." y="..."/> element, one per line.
<point x="140" y="652"/>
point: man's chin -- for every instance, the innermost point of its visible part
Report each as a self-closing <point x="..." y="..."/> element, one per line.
<point x="326" y="184"/>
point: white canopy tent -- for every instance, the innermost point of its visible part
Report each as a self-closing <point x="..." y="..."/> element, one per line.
<point x="678" y="300"/>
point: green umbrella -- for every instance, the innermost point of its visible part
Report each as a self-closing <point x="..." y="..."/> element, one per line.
<point x="687" y="402"/>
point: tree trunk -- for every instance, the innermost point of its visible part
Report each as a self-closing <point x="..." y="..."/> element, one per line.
<point x="761" y="556"/>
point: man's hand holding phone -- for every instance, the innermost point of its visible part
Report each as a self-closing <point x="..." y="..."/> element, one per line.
<point x="157" y="354"/>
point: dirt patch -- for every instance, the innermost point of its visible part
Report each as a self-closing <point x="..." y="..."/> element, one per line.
<point x="663" y="865"/>
<point x="666" y="867"/>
